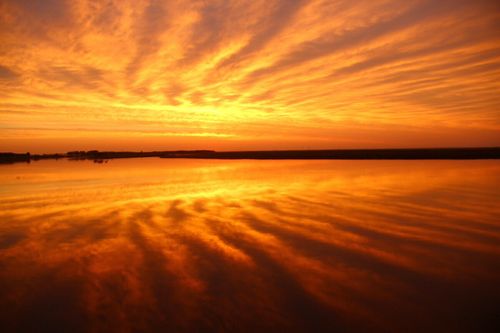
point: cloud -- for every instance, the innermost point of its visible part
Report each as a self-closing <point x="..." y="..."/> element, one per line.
<point x="253" y="69"/>
<point x="271" y="25"/>
<point x="152" y="22"/>
<point x="87" y="78"/>
<point x="7" y="74"/>
<point x="47" y="11"/>
<point x="334" y="42"/>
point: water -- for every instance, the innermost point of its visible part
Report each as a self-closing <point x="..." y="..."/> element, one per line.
<point x="145" y="245"/>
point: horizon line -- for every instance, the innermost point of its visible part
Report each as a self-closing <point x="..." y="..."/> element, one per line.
<point x="249" y="151"/>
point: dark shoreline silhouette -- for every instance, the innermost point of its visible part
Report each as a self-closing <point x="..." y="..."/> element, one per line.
<point x="331" y="154"/>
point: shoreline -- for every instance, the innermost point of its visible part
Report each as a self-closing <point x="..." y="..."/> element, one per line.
<point x="327" y="154"/>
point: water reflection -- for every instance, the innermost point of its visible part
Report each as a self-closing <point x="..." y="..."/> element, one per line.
<point x="146" y="245"/>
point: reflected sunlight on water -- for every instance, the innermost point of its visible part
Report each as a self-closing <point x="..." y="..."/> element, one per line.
<point x="142" y="245"/>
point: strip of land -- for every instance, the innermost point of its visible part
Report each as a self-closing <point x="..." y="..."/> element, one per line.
<point x="332" y="154"/>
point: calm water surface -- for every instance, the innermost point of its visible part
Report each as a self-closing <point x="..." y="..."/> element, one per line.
<point x="146" y="245"/>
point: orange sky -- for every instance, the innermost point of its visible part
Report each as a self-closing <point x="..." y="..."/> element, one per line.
<point x="260" y="74"/>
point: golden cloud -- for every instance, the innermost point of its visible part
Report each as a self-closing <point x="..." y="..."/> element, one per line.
<point x="259" y="74"/>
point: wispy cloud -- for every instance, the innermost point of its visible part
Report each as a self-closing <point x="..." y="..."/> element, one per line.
<point x="250" y="68"/>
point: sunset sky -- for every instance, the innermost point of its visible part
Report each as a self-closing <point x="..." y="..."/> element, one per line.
<point x="243" y="75"/>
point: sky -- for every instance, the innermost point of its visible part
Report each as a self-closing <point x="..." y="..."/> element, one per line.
<point x="248" y="75"/>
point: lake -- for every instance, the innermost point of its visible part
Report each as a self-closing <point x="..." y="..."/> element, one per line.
<point x="147" y="245"/>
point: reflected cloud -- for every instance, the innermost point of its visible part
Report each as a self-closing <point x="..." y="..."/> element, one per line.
<point x="210" y="245"/>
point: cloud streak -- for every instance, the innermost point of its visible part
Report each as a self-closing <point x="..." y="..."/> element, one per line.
<point x="247" y="69"/>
